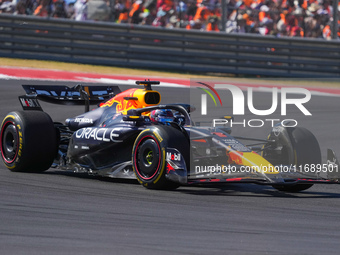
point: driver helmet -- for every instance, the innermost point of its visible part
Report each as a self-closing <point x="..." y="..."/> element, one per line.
<point x="162" y="116"/>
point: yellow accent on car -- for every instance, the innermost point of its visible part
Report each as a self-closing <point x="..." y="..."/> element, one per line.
<point x="295" y="157"/>
<point x="13" y="117"/>
<point x="86" y="88"/>
<point x="257" y="163"/>
<point x="163" y="166"/>
<point x="160" y="139"/>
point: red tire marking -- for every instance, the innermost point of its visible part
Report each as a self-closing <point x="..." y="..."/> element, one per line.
<point x="17" y="150"/>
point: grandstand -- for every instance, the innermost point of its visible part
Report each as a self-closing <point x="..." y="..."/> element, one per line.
<point x="280" y="18"/>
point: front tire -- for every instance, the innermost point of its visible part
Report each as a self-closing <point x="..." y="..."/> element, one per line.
<point x="28" y="141"/>
<point x="149" y="155"/>
<point x="299" y="148"/>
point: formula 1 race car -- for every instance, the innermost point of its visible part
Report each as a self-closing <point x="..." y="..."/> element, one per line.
<point x="131" y="135"/>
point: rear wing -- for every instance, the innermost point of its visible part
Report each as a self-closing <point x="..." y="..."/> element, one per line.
<point x="59" y="94"/>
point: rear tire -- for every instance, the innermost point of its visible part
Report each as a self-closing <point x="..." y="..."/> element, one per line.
<point x="28" y="141"/>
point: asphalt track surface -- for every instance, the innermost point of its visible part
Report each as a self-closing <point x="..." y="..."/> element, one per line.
<point x="64" y="213"/>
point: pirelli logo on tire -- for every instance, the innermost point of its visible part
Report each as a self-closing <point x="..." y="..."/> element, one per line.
<point x="20" y="142"/>
<point x="159" y="138"/>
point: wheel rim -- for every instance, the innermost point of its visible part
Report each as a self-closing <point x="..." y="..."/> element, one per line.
<point x="9" y="142"/>
<point x="147" y="158"/>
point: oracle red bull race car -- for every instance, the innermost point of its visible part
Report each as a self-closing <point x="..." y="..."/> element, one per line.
<point x="131" y="135"/>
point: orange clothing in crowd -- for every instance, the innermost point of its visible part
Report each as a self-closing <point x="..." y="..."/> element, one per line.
<point x="202" y="13"/>
<point x="123" y="16"/>
<point x="135" y="8"/>
<point x="246" y="17"/>
<point x="327" y="32"/>
<point x="212" y="27"/>
<point x="296" y="31"/>
<point x="248" y="2"/>
<point x="304" y="5"/>
<point x="41" y="11"/>
<point x="283" y="17"/>
<point x="169" y="3"/>
<point x="199" y="2"/>
<point x="262" y="15"/>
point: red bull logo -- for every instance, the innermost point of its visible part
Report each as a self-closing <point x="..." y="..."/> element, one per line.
<point x="235" y="157"/>
<point x="130" y="99"/>
<point x="121" y="103"/>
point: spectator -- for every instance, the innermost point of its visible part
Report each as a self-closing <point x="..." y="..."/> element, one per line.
<point x="294" y="18"/>
<point x="59" y="9"/>
<point x="121" y="10"/>
<point x="135" y="12"/>
<point x="80" y="10"/>
<point x="21" y="9"/>
<point x="7" y="6"/>
<point x="213" y="24"/>
<point x="44" y="9"/>
<point x="69" y="8"/>
<point x="149" y="13"/>
<point x="326" y="32"/>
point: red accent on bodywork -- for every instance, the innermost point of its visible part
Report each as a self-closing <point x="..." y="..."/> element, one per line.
<point x="169" y="168"/>
<point x="234" y="179"/>
<point x="235" y="157"/>
<point x="122" y="104"/>
<point x="312" y="180"/>
<point x="219" y="134"/>
<point x="200" y="141"/>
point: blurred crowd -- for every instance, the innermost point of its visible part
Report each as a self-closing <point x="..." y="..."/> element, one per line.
<point x="294" y="18"/>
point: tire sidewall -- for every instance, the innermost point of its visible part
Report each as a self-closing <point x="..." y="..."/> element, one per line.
<point x="166" y="137"/>
<point x="152" y="134"/>
<point x="305" y="146"/>
<point x="37" y="141"/>
<point x="14" y="119"/>
<point x="301" y="148"/>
